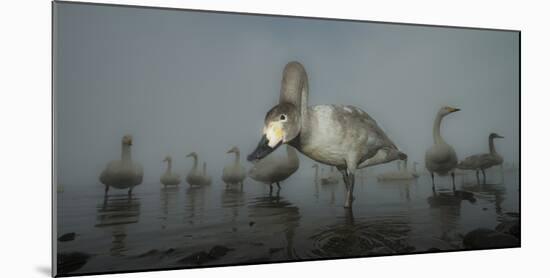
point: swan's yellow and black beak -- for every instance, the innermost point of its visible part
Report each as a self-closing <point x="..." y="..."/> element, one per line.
<point x="272" y="138"/>
<point x="452" y="109"/>
<point x="263" y="149"/>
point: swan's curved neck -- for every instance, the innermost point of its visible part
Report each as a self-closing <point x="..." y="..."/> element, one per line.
<point x="295" y="90"/>
<point x="126" y="153"/>
<point x="237" y="157"/>
<point x="437" y="129"/>
<point x="492" y="145"/>
<point x="195" y="162"/>
<point x="169" y="168"/>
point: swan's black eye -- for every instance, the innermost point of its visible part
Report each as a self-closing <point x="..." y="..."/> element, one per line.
<point x="283" y="117"/>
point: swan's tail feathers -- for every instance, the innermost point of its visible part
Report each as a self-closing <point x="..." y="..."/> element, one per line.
<point x="384" y="155"/>
<point x="402" y="155"/>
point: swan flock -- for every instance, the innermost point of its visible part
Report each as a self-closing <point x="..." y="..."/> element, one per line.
<point x="344" y="137"/>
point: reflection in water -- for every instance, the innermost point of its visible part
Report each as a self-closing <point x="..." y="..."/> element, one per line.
<point x="446" y="210"/>
<point x="113" y="215"/>
<point x="275" y="214"/>
<point x="194" y="204"/>
<point x="158" y="228"/>
<point x="493" y="193"/>
<point x="233" y="199"/>
<point x="352" y="236"/>
<point x="168" y="201"/>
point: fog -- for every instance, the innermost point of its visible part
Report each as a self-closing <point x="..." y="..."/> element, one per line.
<point x="183" y="81"/>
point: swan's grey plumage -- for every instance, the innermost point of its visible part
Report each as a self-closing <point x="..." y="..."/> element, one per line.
<point x="275" y="169"/>
<point x="124" y="173"/>
<point x="169" y="178"/>
<point x="481" y="162"/>
<point x="441" y="158"/>
<point x="234" y="173"/>
<point x="342" y="136"/>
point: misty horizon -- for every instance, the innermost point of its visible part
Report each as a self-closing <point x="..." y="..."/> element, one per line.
<point x="183" y="82"/>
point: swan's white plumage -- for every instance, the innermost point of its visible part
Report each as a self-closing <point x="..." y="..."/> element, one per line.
<point x="124" y="173"/>
<point x="274" y="169"/>
<point x="441" y="158"/>
<point x="169" y="178"/>
<point x="234" y="173"/>
<point x="195" y="177"/>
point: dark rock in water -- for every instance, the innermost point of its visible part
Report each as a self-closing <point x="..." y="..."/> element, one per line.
<point x="148" y="253"/>
<point x="69" y="262"/>
<point x="485" y="208"/>
<point x="487" y="238"/>
<point x="510" y="227"/>
<point x="275" y="250"/>
<point x="513" y="214"/>
<point x="218" y="251"/>
<point x="251" y="223"/>
<point x="67" y="237"/>
<point x="197" y="258"/>
<point x="169" y="251"/>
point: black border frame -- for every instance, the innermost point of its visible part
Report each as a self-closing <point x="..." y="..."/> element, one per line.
<point x="53" y="142"/>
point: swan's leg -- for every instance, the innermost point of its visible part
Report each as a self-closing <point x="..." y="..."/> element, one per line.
<point x="278" y="186"/>
<point x="106" y="189"/>
<point x="433" y="180"/>
<point x="270" y="189"/>
<point x="345" y="177"/>
<point x="477" y="176"/>
<point x="130" y="191"/>
<point x="453" y="177"/>
<point x="484" y="178"/>
<point x="349" y="195"/>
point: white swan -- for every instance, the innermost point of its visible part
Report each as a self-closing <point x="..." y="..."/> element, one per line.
<point x="481" y="162"/>
<point x="123" y="173"/>
<point x="341" y="136"/>
<point x="234" y="173"/>
<point x="275" y="169"/>
<point x="441" y="157"/>
<point x="169" y="178"/>
<point x="206" y="179"/>
<point x="194" y="177"/>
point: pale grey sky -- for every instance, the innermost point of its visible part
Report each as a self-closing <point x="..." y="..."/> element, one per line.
<point x="184" y="81"/>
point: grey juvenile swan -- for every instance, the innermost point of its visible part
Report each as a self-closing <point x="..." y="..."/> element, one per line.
<point x="123" y="173"/>
<point x="441" y="157"/>
<point x="480" y="162"/>
<point x="341" y="136"/>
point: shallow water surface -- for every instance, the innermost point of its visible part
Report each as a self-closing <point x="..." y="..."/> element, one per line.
<point x="160" y="227"/>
